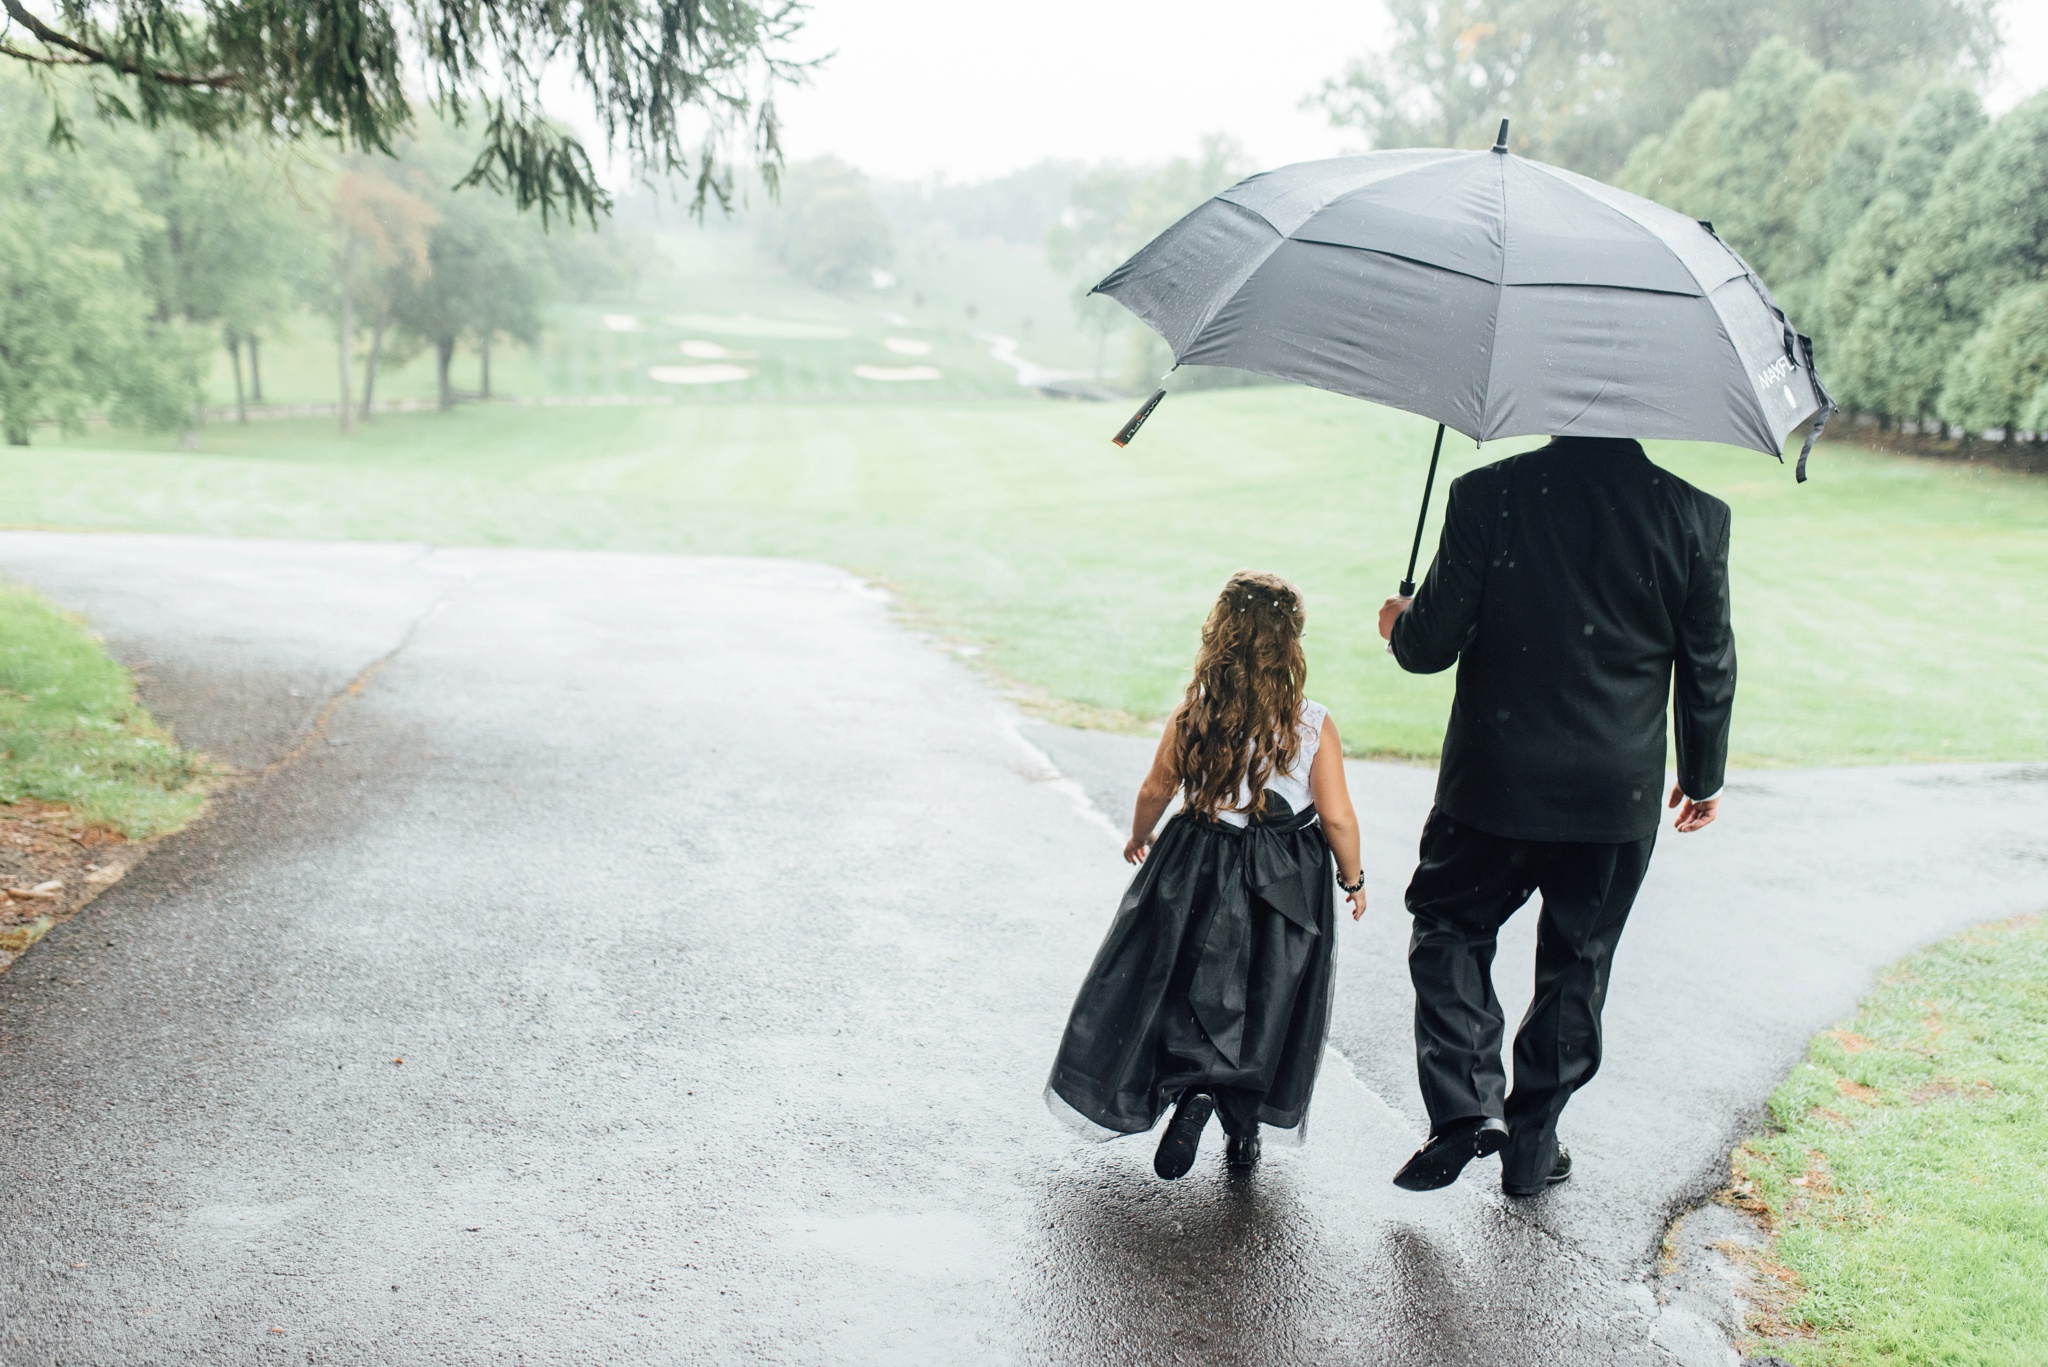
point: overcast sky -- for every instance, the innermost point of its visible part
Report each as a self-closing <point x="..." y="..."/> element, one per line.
<point x="973" y="90"/>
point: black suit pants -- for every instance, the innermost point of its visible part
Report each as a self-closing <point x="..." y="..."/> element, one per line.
<point x="1467" y="885"/>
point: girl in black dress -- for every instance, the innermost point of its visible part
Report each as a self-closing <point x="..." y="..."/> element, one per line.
<point x="1211" y="993"/>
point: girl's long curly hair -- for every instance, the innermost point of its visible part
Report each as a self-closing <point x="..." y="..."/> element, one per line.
<point x="1240" y="721"/>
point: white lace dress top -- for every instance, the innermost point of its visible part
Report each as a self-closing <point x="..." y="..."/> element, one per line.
<point x="1292" y="785"/>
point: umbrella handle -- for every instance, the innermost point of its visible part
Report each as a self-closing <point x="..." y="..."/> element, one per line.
<point x="1130" y="429"/>
<point x="1422" y="517"/>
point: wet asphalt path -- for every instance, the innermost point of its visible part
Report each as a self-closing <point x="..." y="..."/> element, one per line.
<point x="725" y="929"/>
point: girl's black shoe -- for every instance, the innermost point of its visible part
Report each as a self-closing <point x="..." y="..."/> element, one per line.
<point x="1183" y="1135"/>
<point x="1241" y="1152"/>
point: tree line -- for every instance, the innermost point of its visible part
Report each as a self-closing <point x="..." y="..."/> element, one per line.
<point x="1586" y="81"/>
<point x="1839" y="145"/>
<point x="1911" y="242"/>
<point x="170" y="175"/>
<point x="129" y="255"/>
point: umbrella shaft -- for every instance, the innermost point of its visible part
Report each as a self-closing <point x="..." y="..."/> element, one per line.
<point x="1429" y="486"/>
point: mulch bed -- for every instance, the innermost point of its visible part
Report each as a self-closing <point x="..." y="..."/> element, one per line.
<point x="51" y="864"/>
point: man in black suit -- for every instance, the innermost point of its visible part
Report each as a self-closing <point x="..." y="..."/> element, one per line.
<point x="1578" y="588"/>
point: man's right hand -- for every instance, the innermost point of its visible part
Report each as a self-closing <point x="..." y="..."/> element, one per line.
<point x="1692" y="816"/>
<point x="1390" y="610"/>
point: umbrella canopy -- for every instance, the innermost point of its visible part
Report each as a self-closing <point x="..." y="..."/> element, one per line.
<point x="1497" y="295"/>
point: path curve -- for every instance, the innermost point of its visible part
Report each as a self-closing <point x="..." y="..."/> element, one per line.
<point x="724" y="929"/>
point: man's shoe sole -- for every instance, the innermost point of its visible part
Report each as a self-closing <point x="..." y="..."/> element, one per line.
<point x="1183" y="1137"/>
<point x="1448" y="1161"/>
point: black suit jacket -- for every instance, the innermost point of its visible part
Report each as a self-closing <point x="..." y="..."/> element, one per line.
<point x="1574" y="586"/>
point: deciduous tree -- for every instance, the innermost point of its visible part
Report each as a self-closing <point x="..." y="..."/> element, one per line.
<point x="1586" y="80"/>
<point x="1855" y="304"/>
<point x="488" y="270"/>
<point x="79" y="332"/>
<point x="236" y="242"/>
<point x="1983" y="231"/>
<point x="1114" y="210"/>
<point x="1747" y="158"/>
<point x="1993" y="381"/>
<point x="380" y="253"/>
<point x="828" y="229"/>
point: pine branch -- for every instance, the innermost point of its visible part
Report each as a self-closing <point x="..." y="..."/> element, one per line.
<point x="87" y="55"/>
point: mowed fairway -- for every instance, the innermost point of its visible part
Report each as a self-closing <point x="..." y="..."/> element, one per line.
<point x="1889" y="610"/>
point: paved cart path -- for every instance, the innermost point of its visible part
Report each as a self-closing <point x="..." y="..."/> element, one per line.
<point x="724" y="929"/>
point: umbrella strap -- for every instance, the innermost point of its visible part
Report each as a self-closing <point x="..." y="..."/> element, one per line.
<point x="1813" y="435"/>
<point x="1827" y="407"/>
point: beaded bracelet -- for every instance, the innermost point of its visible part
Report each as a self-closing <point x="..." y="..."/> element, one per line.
<point x="1348" y="889"/>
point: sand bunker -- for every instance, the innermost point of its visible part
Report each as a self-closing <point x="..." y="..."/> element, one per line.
<point x="747" y="325"/>
<point x="698" y="374"/>
<point x="706" y="351"/>
<point x="898" y="372"/>
<point x="908" y="346"/>
<point x="622" y="322"/>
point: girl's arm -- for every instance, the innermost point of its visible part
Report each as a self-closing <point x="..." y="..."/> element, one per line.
<point x="1332" y="797"/>
<point x="1154" y="795"/>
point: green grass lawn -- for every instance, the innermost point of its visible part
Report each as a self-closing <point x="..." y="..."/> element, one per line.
<point x="72" y="732"/>
<point x="1889" y="610"/>
<point x="1903" y="1174"/>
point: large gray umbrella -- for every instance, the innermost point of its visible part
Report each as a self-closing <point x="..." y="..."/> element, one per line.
<point x="1499" y="296"/>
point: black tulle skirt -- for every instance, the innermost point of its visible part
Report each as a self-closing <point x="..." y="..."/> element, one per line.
<point x="1217" y="972"/>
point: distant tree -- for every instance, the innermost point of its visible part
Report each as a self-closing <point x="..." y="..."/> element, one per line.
<point x="1747" y="158"/>
<point x="2034" y="417"/>
<point x="516" y="291"/>
<point x="673" y="82"/>
<point x="614" y="262"/>
<point x="1983" y="231"/>
<point x="1855" y="303"/>
<point x="488" y="276"/>
<point x="1666" y="52"/>
<point x="1113" y="211"/>
<point x="379" y="255"/>
<point x="1016" y="208"/>
<point x="1586" y="80"/>
<point x="234" y="246"/>
<point x="1884" y="38"/>
<point x="1457" y="66"/>
<point x="79" y="332"/>
<point x="70" y="320"/>
<point x="1994" y="380"/>
<point x="1829" y="214"/>
<point x="828" y="229"/>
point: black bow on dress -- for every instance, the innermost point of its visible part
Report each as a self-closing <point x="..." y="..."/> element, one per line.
<point x="1270" y="876"/>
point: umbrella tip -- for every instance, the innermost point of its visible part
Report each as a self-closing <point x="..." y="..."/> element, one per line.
<point x="1500" y="144"/>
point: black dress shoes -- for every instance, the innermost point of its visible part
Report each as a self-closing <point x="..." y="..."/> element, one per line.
<point x="1183" y="1135"/>
<point x="1437" y="1164"/>
<point x="1241" y="1151"/>
<point x="1560" y="1171"/>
